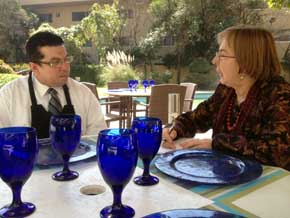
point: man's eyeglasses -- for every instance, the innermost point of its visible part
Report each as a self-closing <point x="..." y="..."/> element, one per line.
<point x="220" y="56"/>
<point x="54" y="63"/>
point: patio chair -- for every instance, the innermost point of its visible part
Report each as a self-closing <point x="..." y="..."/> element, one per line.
<point x="158" y="102"/>
<point x="109" y="117"/>
<point x="115" y="85"/>
<point x="189" y="95"/>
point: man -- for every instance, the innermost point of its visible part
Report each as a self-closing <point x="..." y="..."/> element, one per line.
<point x="48" y="89"/>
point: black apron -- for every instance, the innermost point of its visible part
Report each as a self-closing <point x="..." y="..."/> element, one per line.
<point x="40" y="118"/>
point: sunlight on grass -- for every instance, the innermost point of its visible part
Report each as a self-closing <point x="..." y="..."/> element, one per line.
<point x="101" y="91"/>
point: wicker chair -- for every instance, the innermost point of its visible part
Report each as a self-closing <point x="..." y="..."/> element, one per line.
<point x="158" y="102"/>
<point x="109" y="117"/>
<point x="115" y="85"/>
<point x="189" y="95"/>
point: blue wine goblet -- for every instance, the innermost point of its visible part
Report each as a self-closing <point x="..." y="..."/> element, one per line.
<point x="117" y="158"/>
<point x="65" y="135"/>
<point x="149" y="134"/>
<point x="151" y="82"/>
<point x="135" y="86"/>
<point x="145" y="84"/>
<point x="131" y="84"/>
<point x="18" y="152"/>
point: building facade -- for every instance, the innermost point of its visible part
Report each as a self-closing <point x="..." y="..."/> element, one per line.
<point x="65" y="13"/>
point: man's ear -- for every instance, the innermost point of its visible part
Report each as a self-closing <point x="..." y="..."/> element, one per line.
<point x="34" y="67"/>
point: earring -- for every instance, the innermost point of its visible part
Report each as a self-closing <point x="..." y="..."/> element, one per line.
<point x="242" y="76"/>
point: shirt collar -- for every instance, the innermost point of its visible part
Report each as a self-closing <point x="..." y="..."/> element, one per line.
<point x="41" y="88"/>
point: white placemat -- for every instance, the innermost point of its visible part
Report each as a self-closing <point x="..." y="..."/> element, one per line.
<point x="270" y="201"/>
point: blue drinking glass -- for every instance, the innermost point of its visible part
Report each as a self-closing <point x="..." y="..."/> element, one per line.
<point x="65" y="135"/>
<point x="145" y="84"/>
<point x="149" y="135"/>
<point x="151" y="82"/>
<point x="131" y="84"/>
<point x="117" y="158"/>
<point x="135" y="86"/>
<point x="18" y="152"/>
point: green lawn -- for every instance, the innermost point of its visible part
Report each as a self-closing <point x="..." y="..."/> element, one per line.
<point x="101" y="91"/>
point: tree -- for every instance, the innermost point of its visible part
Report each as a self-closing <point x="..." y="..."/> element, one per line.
<point x="148" y="49"/>
<point x="15" y="24"/>
<point x="102" y="26"/>
<point x="193" y="24"/>
<point x="72" y="38"/>
<point x="278" y="3"/>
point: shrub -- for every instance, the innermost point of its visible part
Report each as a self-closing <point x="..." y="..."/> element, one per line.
<point x="205" y="81"/>
<point x="20" y="66"/>
<point x="119" y="72"/>
<point x="201" y="72"/>
<point x="5" y="78"/>
<point x="119" y="57"/>
<point x="5" y="68"/>
<point x="118" y="67"/>
<point x="88" y="73"/>
<point x="163" y="77"/>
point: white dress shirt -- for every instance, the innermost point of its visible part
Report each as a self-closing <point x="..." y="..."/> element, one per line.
<point x="15" y="104"/>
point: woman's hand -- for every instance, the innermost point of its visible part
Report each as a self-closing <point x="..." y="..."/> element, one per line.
<point x="197" y="144"/>
<point x="168" y="135"/>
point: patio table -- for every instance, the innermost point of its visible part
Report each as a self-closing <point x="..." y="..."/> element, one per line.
<point x="127" y="96"/>
<point x="266" y="197"/>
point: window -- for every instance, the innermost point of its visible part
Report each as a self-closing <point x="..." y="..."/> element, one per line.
<point x="79" y="15"/>
<point x="126" y="13"/>
<point x="167" y="41"/>
<point x="45" y="18"/>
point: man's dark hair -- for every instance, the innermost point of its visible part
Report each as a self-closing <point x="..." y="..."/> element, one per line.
<point x="38" y="40"/>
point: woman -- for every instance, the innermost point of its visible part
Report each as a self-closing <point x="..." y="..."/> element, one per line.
<point x="250" y="109"/>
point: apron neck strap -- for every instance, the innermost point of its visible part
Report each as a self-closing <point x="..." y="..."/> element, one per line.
<point x="31" y="91"/>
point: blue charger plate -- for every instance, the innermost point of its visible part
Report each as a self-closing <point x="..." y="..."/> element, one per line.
<point x="48" y="156"/>
<point x="207" y="167"/>
<point x="192" y="213"/>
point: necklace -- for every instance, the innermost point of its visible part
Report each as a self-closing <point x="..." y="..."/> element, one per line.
<point x="223" y="120"/>
<point x="244" y="112"/>
<point x="228" y="117"/>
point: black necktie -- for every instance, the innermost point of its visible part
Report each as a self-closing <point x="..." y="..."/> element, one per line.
<point x="54" y="105"/>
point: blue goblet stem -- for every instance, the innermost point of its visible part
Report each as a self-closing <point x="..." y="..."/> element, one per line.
<point x="117" y="197"/>
<point x="146" y="164"/>
<point x="16" y="195"/>
<point x="65" y="163"/>
<point x="66" y="174"/>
